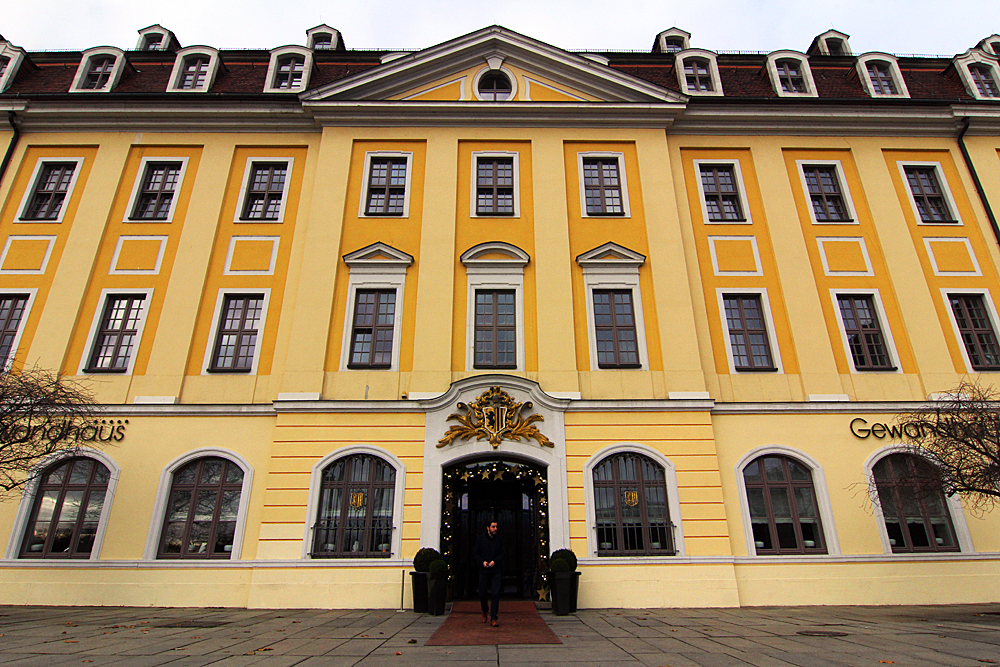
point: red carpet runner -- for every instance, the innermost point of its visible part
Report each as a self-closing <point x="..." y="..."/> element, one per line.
<point x="519" y="624"/>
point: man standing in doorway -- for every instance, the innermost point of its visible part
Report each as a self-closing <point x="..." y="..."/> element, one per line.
<point x="488" y="555"/>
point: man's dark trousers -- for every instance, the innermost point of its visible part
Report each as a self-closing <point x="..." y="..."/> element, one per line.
<point x="489" y="584"/>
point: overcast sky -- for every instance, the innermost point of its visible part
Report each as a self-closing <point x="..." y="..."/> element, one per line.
<point x="897" y="26"/>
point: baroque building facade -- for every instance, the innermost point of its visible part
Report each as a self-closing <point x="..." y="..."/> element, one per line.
<point x="660" y="308"/>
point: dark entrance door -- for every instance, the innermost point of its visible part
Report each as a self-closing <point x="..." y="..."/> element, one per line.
<point x="513" y="495"/>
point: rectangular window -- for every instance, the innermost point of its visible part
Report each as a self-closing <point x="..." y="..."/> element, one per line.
<point x="976" y="331"/>
<point x="864" y="333"/>
<point x="98" y="72"/>
<point x="722" y="195"/>
<point x="614" y="328"/>
<point x="495" y="186"/>
<point x="289" y="73"/>
<point x="117" y="334"/>
<point x="195" y="72"/>
<point x="156" y="194"/>
<point x="386" y="186"/>
<point x="11" y="312"/>
<point x="824" y="191"/>
<point x="372" y="329"/>
<point x="881" y="77"/>
<point x="982" y="76"/>
<point x="602" y="186"/>
<point x="265" y="191"/>
<point x="50" y="191"/>
<point x="790" y="76"/>
<point x="748" y="337"/>
<point x="927" y="194"/>
<point x="496" y="330"/>
<point x="236" y="338"/>
<point x="697" y="73"/>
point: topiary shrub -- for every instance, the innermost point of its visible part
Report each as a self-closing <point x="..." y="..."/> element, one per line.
<point x="423" y="559"/>
<point x="566" y="555"/>
<point x="439" y="566"/>
<point x="560" y="565"/>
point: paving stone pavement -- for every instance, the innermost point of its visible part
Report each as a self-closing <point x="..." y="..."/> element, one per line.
<point x="942" y="636"/>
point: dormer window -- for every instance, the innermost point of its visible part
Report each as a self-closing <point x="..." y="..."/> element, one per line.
<point x="99" y="70"/>
<point x="698" y="73"/>
<point x="835" y="47"/>
<point x="289" y="70"/>
<point x="830" y="43"/>
<point x="11" y="58"/>
<point x="790" y="74"/>
<point x="152" y="41"/>
<point x="194" y="70"/>
<point x="672" y="41"/>
<point x="324" y="38"/>
<point x="880" y="75"/>
<point x="982" y="76"/>
<point x="673" y="44"/>
<point x="494" y="86"/>
<point x="322" y="41"/>
<point x="4" y="61"/>
<point x="980" y="72"/>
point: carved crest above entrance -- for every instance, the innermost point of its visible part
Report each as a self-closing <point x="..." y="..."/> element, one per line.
<point x="494" y="416"/>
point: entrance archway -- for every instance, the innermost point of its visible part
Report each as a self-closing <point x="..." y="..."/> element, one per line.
<point x="512" y="493"/>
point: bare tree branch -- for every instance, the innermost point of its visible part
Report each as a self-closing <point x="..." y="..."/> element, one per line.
<point x="962" y="436"/>
<point x="41" y="413"/>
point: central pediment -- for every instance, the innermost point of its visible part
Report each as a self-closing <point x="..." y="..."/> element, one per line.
<point x="537" y="72"/>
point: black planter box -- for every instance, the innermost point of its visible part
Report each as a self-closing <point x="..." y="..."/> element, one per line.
<point x="419" y="582"/>
<point x="437" y="591"/>
<point x="564" y="587"/>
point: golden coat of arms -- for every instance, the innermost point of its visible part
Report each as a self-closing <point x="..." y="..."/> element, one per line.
<point x="494" y="416"/>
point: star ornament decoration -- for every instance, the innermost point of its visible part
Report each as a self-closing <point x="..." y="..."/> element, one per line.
<point x="496" y="417"/>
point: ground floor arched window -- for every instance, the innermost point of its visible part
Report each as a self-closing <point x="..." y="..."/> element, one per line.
<point x="913" y="505"/>
<point x="66" y="511"/>
<point x="354" y="520"/>
<point x="784" y="514"/>
<point x="202" y="510"/>
<point x="630" y="507"/>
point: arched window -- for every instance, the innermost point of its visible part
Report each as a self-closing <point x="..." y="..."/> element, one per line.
<point x="67" y="509"/>
<point x="202" y="510"/>
<point x="913" y="505"/>
<point x="356" y="499"/>
<point x="784" y="515"/>
<point x="495" y="86"/>
<point x="630" y="503"/>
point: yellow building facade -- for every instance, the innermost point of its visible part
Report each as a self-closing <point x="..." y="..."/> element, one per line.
<point x="661" y="309"/>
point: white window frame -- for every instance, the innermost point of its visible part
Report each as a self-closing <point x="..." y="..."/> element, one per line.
<point x="954" y="504"/>
<point x="824" y="48"/>
<point x="27" y="502"/>
<point x="684" y="35"/>
<point x="498" y="68"/>
<point x="894" y="71"/>
<point x="216" y="316"/>
<point x="227" y="271"/>
<point x="514" y="155"/>
<point x="177" y="73"/>
<point x="137" y="188"/>
<point x="982" y="58"/>
<point x="883" y="321"/>
<point x="32" y="292"/>
<point x="823" y="505"/>
<point x="713" y="71"/>
<point x="166" y="43"/>
<point x="758" y="270"/>
<point x="772" y="340"/>
<point x="323" y="29"/>
<point x="84" y="67"/>
<point x="272" y="68"/>
<point x="316" y="485"/>
<point x="616" y="274"/>
<point x="96" y="323"/>
<point x="369" y="156"/>
<point x="27" y="237"/>
<point x="29" y="192"/>
<point x="741" y="189"/>
<point x="622" y="179"/>
<point x="15" y="57"/>
<point x="822" y="240"/>
<point x="112" y="271"/>
<point x="488" y="275"/>
<point x="845" y="191"/>
<point x="159" y="514"/>
<point x="991" y="312"/>
<point x="374" y="274"/>
<point x="673" y="502"/>
<point x="804" y="69"/>
<point x="245" y="187"/>
<point x="991" y="44"/>
<point x="945" y="190"/>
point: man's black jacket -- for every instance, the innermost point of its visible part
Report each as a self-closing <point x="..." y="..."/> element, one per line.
<point x="489" y="549"/>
